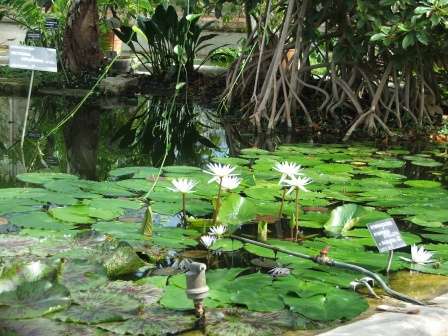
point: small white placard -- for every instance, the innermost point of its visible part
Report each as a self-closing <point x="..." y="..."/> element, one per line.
<point x="386" y="235"/>
<point x="33" y="58"/>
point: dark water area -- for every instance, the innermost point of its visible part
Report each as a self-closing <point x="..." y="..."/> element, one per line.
<point x="103" y="134"/>
<point x="111" y="132"/>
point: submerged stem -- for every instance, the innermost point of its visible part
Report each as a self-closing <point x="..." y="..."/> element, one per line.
<point x="280" y="212"/>
<point x="218" y="202"/>
<point x="297" y="214"/>
<point x="184" y="211"/>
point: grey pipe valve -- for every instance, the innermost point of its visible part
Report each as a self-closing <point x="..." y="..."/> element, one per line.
<point x="197" y="289"/>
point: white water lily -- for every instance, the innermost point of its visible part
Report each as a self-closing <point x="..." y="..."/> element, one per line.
<point x="183" y="185"/>
<point x="34" y="270"/>
<point x="230" y="182"/>
<point x="279" y="271"/>
<point x="218" y="231"/>
<point x="288" y="169"/>
<point x="219" y="171"/>
<point x="297" y="182"/>
<point x="207" y="241"/>
<point x="419" y="255"/>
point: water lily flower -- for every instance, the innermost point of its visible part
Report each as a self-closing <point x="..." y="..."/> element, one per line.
<point x="34" y="270"/>
<point x="419" y="255"/>
<point x="183" y="185"/>
<point x="230" y="182"/>
<point x="218" y="231"/>
<point x="279" y="271"/>
<point x="288" y="169"/>
<point x="207" y="240"/>
<point x="219" y="171"/>
<point x="297" y="182"/>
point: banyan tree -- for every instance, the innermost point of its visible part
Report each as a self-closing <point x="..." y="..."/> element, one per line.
<point x="358" y="64"/>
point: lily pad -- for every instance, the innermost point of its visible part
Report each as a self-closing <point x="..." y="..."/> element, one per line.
<point x="33" y="299"/>
<point x="334" y="305"/>
<point x="44" y="177"/>
<point x="39" y="220"/>
<point x="226" y="245"/>
<point x="422" y="183"/>
<point x="96" y="306"/>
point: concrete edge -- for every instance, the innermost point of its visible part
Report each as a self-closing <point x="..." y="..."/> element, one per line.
<point x="431" y="320"/>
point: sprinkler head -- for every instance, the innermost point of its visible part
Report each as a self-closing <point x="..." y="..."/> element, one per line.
<point x="197" y="289"/>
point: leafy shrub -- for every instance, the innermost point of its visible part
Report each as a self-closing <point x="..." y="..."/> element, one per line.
<point x="225" y="56"/>
<point x="171" y="42"/>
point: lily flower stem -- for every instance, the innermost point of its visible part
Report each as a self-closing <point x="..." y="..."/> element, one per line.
<point x="218" y="202"/>
<point x="297" y="214"/>
<point x="184" y="211"/>
<point x="280" y="212"/>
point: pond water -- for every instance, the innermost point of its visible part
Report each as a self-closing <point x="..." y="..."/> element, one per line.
<point x="115" y="280"/>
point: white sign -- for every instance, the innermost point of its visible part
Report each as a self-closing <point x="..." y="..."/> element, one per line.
<point x="386" y="235"/>
<point x="33" y="58"/>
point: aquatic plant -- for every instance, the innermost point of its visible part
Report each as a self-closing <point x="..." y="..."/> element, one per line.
<point x="218" y="231"/>
<point x="230" y="182"/>
<point x="287" y="169"/>
<point x="109" y="206"/>
<point x="296" y="183"/>
<point x="221" y="172"/>
<point x="419" y="255"/>
<point x="207" y="241"/>
<point x="183" y="186"/>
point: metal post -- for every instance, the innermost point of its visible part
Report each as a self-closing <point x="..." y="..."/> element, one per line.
<point x="389" y="260"/>
<point x="22" y="140"/>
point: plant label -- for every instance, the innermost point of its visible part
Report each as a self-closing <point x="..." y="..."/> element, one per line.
<point x="51" y="23"/>
<point x="386" y="235"/>
<point x="33" y="35"/>
<point x="33" y="58"/>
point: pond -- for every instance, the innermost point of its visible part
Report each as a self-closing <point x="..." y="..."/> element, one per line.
<point x="78" y="233"/>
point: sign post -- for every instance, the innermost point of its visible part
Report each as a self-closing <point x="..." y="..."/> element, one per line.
<point x="387" y="237"/>
<point x="31" y="58"/>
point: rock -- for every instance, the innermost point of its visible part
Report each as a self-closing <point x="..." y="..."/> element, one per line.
<point x="120" y="85"/>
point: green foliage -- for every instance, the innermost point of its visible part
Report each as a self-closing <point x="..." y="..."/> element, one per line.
<point x="225" y="56"/>
<point x="172" y="42"/>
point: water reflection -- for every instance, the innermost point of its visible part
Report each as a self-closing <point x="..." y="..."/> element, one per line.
<point x="105" y="133"/>
<point x="169" y="131"/>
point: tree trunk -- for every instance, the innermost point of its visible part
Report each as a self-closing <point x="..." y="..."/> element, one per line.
<point x="82" y="52"/>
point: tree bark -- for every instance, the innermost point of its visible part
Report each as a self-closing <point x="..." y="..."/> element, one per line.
<point x="82" y="52"/>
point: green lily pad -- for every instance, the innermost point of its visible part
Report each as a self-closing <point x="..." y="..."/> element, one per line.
<point x="345" y="217"/>
<point x="40" y="220"/>
<point x="236" y="210"/>
<point x="96" y="306"/>
<point x="422" y="183"/>
<point x="33" y="299"/>
<point x="135" y="172"/>
<point x="334" y="305"/>
<point x="80" y="275"/>
<point x="422" y="162"/>
<point x="44" y="177"/>
<point x="226" y="245"/>
<point x="259" y="251"/>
